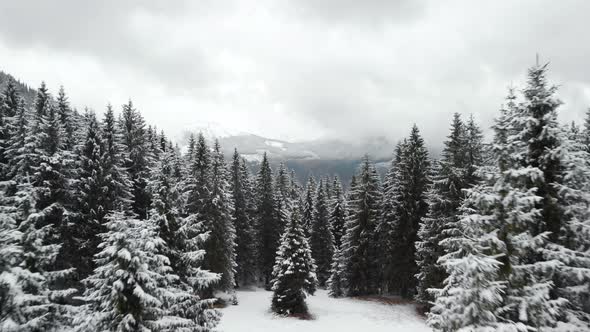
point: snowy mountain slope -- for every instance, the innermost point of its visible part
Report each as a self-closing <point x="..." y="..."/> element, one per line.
<point x="343" y="315"/>
<point x="26" y="92"/>
<point x="251" y="145"/>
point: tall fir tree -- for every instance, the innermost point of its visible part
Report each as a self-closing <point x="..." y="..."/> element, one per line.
<point x="475" y="151"/>
<point x="66" y="117"/>
<point x="19" y="146"/>
<point x="321" y="239"/>
<point x="336" y="283"/>
<point x="472" y="296"/>
<point x="294" y="188"/>
<point x="220" y="256"/>
<point x="243" y="221"/>
<point x="308" y="205"/>
<point x="283" y="202"/>
<point x="359" y="249"/>
<point x="51" y="180"/>
<point x="520" y="214"/>
<point x="132" y="287"/>
<point x="337" y="211"/>
<point x="90" y="197"/>
<point x="10" y="102"/>
<point x="27" y="303"/>
<point x="164" y="211"/>
<point x="198" y="181"/>
<point x="386" y="228"/>
<point x="192" y="143"/>
<point x="573" y="247"/>
<point x="337" y="223"/>
<point x="268" y="228"/>
<point x="118" y="195"/>
<point x="454" y="173"/>
<point x="414" y="171"/>
<point x="137" y="157"/>
<point x="294" y="271"/>
<point x="42" y="100"/>
<point x="328" y="188"/>
<point x="283" y="185"/>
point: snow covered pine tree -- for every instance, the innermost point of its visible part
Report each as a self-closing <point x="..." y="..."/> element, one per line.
<point x="294" y="271"/>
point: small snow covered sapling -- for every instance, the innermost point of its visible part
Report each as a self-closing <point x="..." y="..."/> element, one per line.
<point x="294" y="271"/>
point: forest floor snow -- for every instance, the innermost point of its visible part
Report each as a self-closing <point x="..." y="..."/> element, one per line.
<point x="329" y="314"/>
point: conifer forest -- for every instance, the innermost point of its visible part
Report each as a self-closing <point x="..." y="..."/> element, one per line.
<point x="107" y="225"/>
<point x="110" y="222"/>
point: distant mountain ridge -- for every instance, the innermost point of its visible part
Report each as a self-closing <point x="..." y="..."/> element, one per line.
<point x="317" y="157"/>
<point x="253" y="146"/>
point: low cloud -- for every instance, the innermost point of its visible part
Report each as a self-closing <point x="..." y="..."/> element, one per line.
<point x="299" y="69"/>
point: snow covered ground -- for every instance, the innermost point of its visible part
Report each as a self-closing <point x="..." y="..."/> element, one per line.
<point x="342" y="315"/>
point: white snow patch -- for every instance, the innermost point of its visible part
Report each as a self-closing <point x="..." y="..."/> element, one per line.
<point x="212" y="130"/>
<point x="342" y="315"/>
<point x="275" y="144"/>
<point x="311" y="155"/>
<point x="252" y="157"/>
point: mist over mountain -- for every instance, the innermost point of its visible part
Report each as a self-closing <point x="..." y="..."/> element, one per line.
<point x="320" y="157"/>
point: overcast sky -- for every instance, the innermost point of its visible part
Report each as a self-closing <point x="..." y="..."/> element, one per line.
<point x="299" y="69"/>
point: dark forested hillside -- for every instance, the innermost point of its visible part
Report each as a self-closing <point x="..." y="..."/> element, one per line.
<point x="27" y="93"/>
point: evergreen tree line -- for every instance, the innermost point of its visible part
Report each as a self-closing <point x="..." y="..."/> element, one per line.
<point x="106" y="225"/>
<point x="102" y="223"/>
<point x="491" y="236"/>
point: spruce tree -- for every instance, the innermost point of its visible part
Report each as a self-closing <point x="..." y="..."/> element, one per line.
<point x="19" y="146"/>
<point x="191" y="238"/>
<point x="475" y="151"/>
<point x="137" y="157"/>
<point x="192" y="143"/>
<point x="42" y="100"/>
<point x="117" y="195"/>
<point x="454" y="173"/>
<point x="283" y="202"/>
<point x="66" y="118"/>
<point x="359" y="249"/>
<point x="90" y="197"/>
<point x="472" y="296"/>
<point x="386" y="229"/>
<point x="132" y="289"/>
<point x="573" y="247"/>
<point x="412" y="207"/>
<point x="25" y="254"/>
<point x="198" y="182"/>
<point x="520" y="216"/>
<point x="10" y="102"/>
<point x="293" y="272"/>
<point x="51" y="180"/>
<point x="328" y="188"/>
<point x="283" y="185"/>
<point x="153" y="142"/>
<point x="294" y="188"/>
<point x="335" y="282"/>
<point x="163" y="142"/>
<point x="321" y="240"/>
<point x="164" y="211"/>
<point x="217" y="213"/>
<point x="337" y="212"/>
<point x="308" y="205"/>
<point x="243" y="221"/>
<point x="268" y="228"/>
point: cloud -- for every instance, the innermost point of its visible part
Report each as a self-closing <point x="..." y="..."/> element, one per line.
<point x="364" y="12"/>
<point x="299" y="69"/>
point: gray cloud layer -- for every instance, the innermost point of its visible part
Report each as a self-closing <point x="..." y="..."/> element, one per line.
<point x="299" y="69"/>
